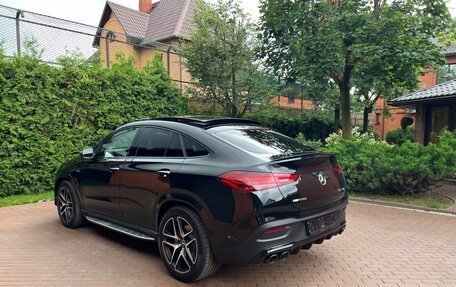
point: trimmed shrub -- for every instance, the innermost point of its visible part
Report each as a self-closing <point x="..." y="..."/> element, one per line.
<point x="314" y="125"/>
<point x="316" y="144"/>
<point x="400" y="136"/>
<point x="377" y="167"/>
<point x="49" y="113"/>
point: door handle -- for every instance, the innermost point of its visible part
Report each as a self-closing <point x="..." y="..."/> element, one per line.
<point x="114" y="169"/>
<point x="164" y="173"/>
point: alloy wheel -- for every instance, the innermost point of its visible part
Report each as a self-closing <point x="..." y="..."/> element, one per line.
<point x="65" y="204"/>
<point x="180" y="246"/>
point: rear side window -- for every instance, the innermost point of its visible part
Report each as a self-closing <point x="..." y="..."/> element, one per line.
<point x="175" y="147"/>
<point x="192" y="148"/>
<point x="262" y="141"/>
<point x="153" y="142"/>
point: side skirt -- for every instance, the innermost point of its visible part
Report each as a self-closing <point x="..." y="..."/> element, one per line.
<point x="118" y="227"/>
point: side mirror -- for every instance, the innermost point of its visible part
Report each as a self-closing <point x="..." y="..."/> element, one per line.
<point x="87" y="152"/>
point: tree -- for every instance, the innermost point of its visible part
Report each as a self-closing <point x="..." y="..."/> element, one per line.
<point x="222" y="61"/>
<point x="370" y="48"/>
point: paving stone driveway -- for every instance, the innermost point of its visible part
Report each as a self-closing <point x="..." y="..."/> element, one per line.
<point x="381" y="246"/>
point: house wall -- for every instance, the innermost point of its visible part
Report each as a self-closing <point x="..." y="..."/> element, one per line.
<point x="120" y="44"/>
<point x="390" y="123"/>
<point x="140" y="55"/>
<point x="429" y="79"/>
<point x="282" y="102"/>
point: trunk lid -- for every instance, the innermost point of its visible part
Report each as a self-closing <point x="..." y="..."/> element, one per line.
<point x="321" y="181"/>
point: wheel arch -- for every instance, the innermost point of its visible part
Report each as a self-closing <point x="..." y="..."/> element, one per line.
<point x="169" y="200"/>
<point x="59" y="181"/>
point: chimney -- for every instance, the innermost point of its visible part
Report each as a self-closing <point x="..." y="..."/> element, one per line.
<point x="145" y="5"/>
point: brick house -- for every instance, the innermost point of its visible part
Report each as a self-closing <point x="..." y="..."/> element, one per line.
<point x="435" y="110"/>
<point x="141" y="33"/>
<point x="382" y="125"/>
<point x="164" y="22"/>
<point x="290" y="98"/>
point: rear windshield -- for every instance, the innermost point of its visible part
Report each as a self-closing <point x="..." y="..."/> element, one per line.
<point x="263" y="141"/>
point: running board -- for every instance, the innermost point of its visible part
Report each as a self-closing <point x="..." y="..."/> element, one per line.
<point x="120" y="228"/>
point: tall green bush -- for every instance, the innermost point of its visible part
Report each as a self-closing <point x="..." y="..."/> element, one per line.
<point x="375" y="166"/>
<point x="313" y="125"/>
<point x="49" y="113"/>
<point x="400" y="135"/>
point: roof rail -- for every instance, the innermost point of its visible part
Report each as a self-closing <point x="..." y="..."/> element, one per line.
<point x="208" y="122"/>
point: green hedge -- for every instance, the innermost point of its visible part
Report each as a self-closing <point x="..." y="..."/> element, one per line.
<point x="400" y="135"/>
<point x="375" y="166"/>
<point x="48" y="113"/>
<point x="313" y="125"/>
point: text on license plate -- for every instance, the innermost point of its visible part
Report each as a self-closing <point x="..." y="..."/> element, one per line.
<point x="321" y="224"/>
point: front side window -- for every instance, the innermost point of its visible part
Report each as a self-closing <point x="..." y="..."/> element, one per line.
<point x="118" y="145"/>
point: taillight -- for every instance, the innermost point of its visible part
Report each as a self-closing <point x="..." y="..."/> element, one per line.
<point x="246" y="181"/>
<point x="337" y="170"/>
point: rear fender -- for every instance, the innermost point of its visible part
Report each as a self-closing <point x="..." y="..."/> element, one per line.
<point x="215" y="230"/>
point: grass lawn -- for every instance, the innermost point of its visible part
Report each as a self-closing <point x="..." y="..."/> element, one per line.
<point x="24" y="199"/>
<point x="428" y="199"/>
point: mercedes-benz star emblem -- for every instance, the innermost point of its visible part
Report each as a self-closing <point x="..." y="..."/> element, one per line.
<point x="321" y="176"/>
<point x="322" y="179"/>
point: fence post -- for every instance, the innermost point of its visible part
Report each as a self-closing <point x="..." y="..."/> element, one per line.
<point x="168" y="61"/>
<point x="168" y="58"/>
<point x="180" y="73"/>
<point x="109" y="37"/>
<point x="278" y="96"/>
<point x="19" y="13"/>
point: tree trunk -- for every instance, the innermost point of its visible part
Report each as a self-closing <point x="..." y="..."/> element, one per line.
<point x="345" y="110"/>
<point x="366" y="112"/>
<point x="337" y="118"/>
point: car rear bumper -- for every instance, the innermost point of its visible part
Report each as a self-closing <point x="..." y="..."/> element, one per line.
<point x="257" y="248"/>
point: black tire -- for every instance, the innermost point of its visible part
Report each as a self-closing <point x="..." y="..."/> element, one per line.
<point x="68" y="206"/>
<point x="184" y="265"/>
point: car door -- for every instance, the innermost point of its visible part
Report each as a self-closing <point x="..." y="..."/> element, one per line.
<point x="99" y="180"/>
<point x="152" y="171"/>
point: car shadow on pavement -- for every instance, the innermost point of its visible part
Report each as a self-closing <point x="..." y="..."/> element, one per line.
<point x="125" y="240"/>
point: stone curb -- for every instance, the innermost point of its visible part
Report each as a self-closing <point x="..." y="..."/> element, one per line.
<point x="401" y="205"/>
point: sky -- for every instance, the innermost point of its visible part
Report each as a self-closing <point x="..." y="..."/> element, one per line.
<point x="89" y="11"/>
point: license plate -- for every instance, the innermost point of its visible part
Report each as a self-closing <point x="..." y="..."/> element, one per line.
<point x="321" y="224"/>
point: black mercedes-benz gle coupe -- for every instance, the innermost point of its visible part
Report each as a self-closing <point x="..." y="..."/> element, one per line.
<point x="207" y="190"/>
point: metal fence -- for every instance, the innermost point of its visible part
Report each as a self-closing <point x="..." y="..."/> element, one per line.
<point x="24" y="32"/>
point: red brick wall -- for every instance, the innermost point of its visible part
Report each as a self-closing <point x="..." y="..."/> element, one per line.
<point x="391" y="123"/>
<point x="306" y="104"/>
<point x="429" y="79"/>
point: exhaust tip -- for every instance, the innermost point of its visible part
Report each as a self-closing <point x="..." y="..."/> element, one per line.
<point x="284" y="256"/>
<point x="272" y="259"/>
<point x="342" y="229"/>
